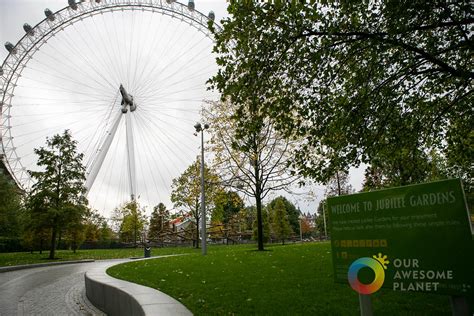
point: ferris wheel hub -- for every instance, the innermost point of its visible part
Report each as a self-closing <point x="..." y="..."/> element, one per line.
<point x="127" y="100"/>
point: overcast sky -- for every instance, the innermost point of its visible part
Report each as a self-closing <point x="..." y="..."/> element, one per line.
<point x="72" y="82"/>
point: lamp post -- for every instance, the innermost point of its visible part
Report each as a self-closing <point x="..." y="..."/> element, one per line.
<point x="200" y="128"/>
<point x="301" y="226"/>
<point x="324" y="219"/>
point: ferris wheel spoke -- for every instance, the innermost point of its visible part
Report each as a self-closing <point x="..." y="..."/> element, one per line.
<point x="159" y="94"/>
<point x="180" y="117"/>
<point x="64" y="77"/>
<point x="91" y="63"/>
<point x="164" y="125"/>
<point x="152" y="141"/>
<point x="157" y="156"/>
<point x="177" y="128"/>
<point x="130" y="62"/>
<point x="109" y="48"/>
<point x="193" y="77"/>
<point x="74" y="58"/>
<point x="162" y="137"/>
<point x="185" y="63"/>
<point x="122" y="63"/>
<point x="172" y="41"/>
<point x="179" y="70"/>
<point x="112" y="68"/>
<point x="68" y="62"/>
<point x="150" y="48"/>
<point x="164" y="104"/>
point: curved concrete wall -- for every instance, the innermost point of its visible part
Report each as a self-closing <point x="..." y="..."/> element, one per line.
<point x="118" y="297"/>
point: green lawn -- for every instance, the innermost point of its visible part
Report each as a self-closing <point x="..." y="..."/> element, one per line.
<point x="17" y="258"/>
<point x="285" y="280"/>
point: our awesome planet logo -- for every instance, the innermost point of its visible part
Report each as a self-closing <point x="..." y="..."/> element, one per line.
<point x="378" y="264"/>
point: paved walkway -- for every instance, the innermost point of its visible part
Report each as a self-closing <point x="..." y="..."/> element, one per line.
<point x="54" y="290"/>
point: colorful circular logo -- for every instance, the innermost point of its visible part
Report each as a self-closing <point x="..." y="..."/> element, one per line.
<point x="370" y="263"/>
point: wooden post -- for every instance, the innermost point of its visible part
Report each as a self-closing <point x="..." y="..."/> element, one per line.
<point x="365" y="304"/>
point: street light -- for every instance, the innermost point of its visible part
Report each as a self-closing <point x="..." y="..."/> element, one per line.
<point x="301" y="226"/>
<point x="200" y="128"/>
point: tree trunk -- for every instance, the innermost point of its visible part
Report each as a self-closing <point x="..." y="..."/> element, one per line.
<point x="59" y="239"/>
<point x="258" y="201"/>
<point x="197" y="233"/>
<point x="338" y="183"/>
<point x="55" y="221"/>
<point x="135" y="232"/>
<point x="196" y="217"/>
<point x="53" y="241"/>
<point x="74" y="242"/>
<point x="41" y="245"/>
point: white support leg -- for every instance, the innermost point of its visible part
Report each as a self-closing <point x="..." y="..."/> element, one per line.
<point x="93" y="171"/>
<point x="130" y="154"/>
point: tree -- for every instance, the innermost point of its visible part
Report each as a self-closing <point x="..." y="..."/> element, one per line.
<point x="10" y="208"/>
<point x="436" y="169"/>
<point x="293" y="214"/>
<point x="75" y="231"/>
<point x="280" y="224"/>
<point x="252" y="160"/>
<point x="58" y="197"/>
<point x="96" y="229"/>
<point x="186" y="191"/>
<point x="339" y="184"/>
<point x="158" y="221"/>
<point x="133" y="221"/>
<point x="226" y="205"/>
<point x="306" y="227"/>
<point x="246" y="218"/>
<point x="382" y="83"/>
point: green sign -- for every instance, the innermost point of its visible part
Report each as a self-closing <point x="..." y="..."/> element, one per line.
<point x="423" y="230"/>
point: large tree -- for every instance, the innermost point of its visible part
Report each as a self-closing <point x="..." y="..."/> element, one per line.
<point x="381" y="82"/>
<point x="293" y="214"/>
<point x="227" y="204"/>
<point x="96" y="228"/>
<point x="10" y="208"/>
<point x="280" y="224"/>
<point x="132" y="222"/>
<point x="159" y="222"/>
<point x="253" y="160"/>
<point x="186" y="191"/>
<point x="57" y="198"/>
<point x="339" y="185"/>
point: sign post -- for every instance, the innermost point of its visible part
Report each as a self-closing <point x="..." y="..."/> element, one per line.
<point x="413" y="238"/>
<point x="365" y="305"/>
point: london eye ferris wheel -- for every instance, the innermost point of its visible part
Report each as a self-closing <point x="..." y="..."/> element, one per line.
<point x="126" y="77"/>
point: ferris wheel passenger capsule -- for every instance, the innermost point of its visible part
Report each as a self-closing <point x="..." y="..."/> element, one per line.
<point x="72" y="4"/>
<point x="1" y="71"/>
<point x="10" y="48"/>
<point x="28" y="29"/>
<point x="170" y="1"/>
<point x="211" y="15"/>
<point x="49" y="14"/>
<point x="191" y="5"/>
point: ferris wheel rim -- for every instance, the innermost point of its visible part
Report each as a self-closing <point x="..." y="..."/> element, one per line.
<point x="8" y="83"/>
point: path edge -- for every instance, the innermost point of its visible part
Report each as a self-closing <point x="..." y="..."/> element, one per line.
<point x="119" y="297"/>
